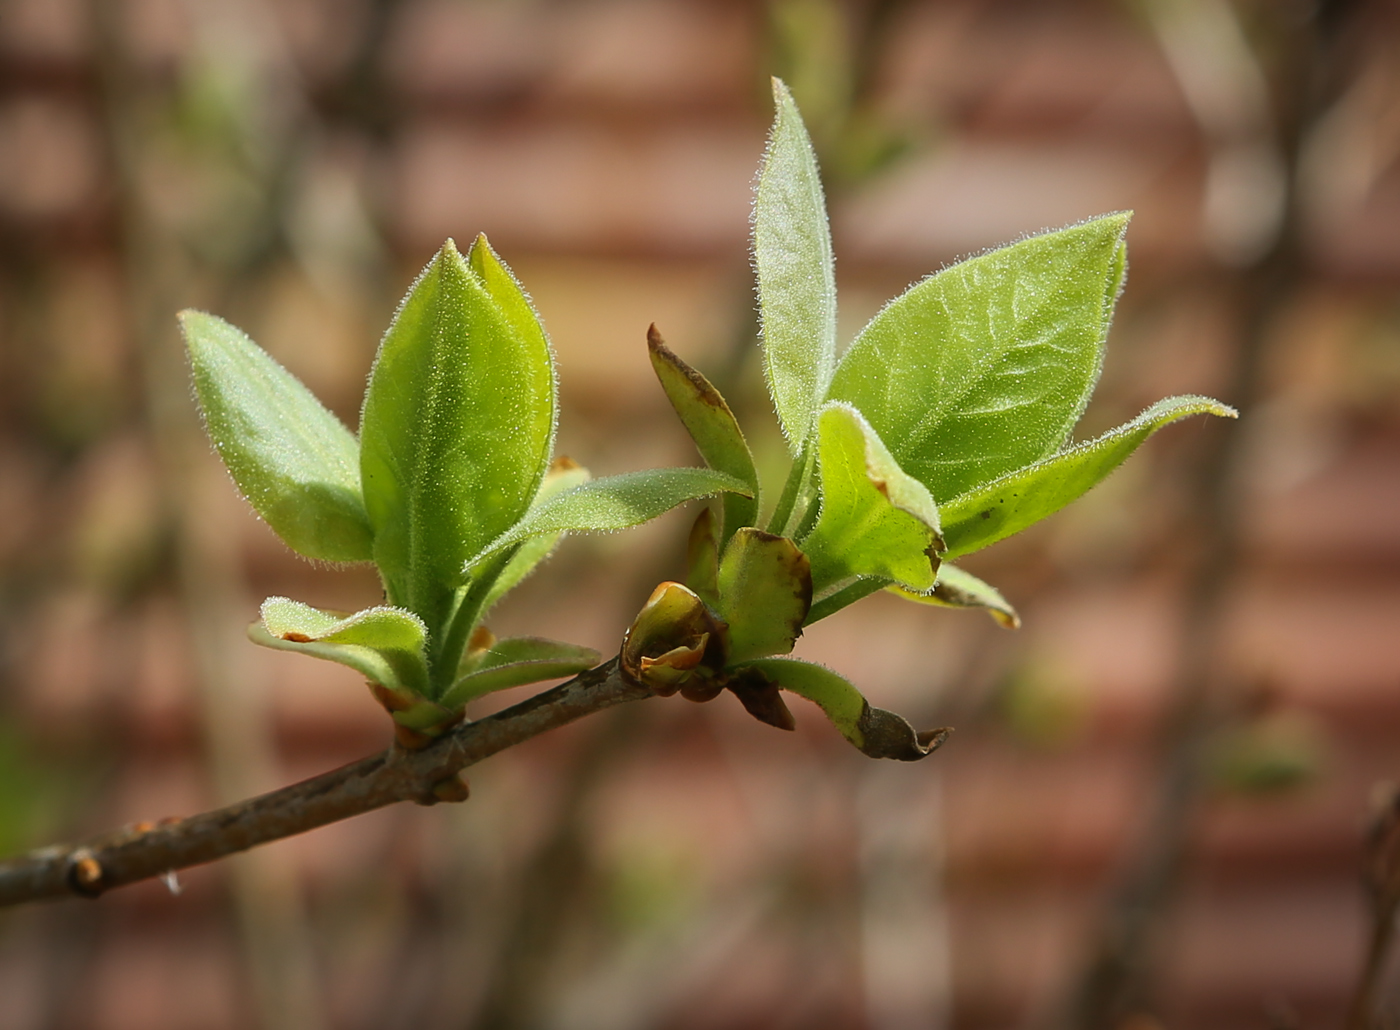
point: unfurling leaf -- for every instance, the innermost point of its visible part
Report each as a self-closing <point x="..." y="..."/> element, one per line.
<point x="796" y="278"/>
<point x="986" y="366"/>
<point x="385" y="645"/>
<point x="294" y="461"/>
<point x="875" y="520"/>
<point x="711" y="425"/>
<point x="514" y="662"/>
<point x="457" y="427"/>
<point x="562" y="477"/>
<point x="1008" y="505"/>
<point x="878" y="733"/>
<point x="957" y="588"/>
<point x="614" y="502"/>
<point x="669" y="639"/>
<point x="765" y="590"/>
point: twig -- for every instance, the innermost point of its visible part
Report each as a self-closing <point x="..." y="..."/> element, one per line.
<point x="146" y="850"/>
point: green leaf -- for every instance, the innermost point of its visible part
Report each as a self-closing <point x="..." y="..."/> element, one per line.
<point x="563" y="476"/>
<point x="457" y="427"/>
<point x="796" y="279"/>
<point x="613" y="503"/>
<point x="844" y="596"/>
<point x="957" y="588"/>
<point x="765" y="589"/>
<point x="876" y="732"/>
<point x="514" y="662"/>
<point x="1008" y="505"/>
<point x="875" y="520"/>
<point x="711" y="425"/>
<point x="294" y="461"/>
<point x="384" y="644"/>
<point x="702" y="558"/>
<point x="986" y="366"/>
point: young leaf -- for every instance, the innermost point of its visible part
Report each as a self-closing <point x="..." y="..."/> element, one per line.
<point x="457" y="426"/>
<point x="959" y="589"/>
<point x="875" y="520"/>
<point x="986" y="366"/>
<point x="796" y="278"/>
<point x="563" y="476"/>
<point x="702" y="558"/>
<point x="878" y="733"/>
<point x="294" y="461"/>
<point x="845" y="595"/>
<point x="1008" y="505"/>
<point x="383" y="644"/>
<point x="514" y="662"/>
<point x="614" y="502"/>
<point x="711" y="425"/>
<point x="765" y="589"/>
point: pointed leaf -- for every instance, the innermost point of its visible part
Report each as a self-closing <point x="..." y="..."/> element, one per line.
<point x="514" y="662"/>
<point x="875" y="520"/>
<point x="383" y="644"/>
<point x="878" y="733"/>
<point x="1013" y="502"/>
<point x="796" y="279"/>
<point x="957" y="588"/>
<point x="765" y="589"/>
<point x="457" y="426"/>
<point x="711" y="425"/>
<point x="562" y="477"/>
<point x="294" y="461"/>
<point x="615" y="502"/>
<point x="986" y="366"/>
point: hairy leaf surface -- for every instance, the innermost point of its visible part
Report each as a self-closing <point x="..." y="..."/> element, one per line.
<point x="615" y="502"/>
<point x="458" y="424"/>
<point x="1008" y="505"/>
<point x="796" y="277"/>
<point x="986" y="366"/>
<point x="562" y="477"/>
<point x="514" y="662"/>
<point x="875" y="520"/>
<point x="384" y="644"/>
<point x="295" y="462"/>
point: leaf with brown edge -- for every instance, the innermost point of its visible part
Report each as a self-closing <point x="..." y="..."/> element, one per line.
<point x="765" y="590"/>
<point x="712" y="425"/>
<point x="876" y="732"/>
<point x="761" y="698"/>
<point x="958" y="588"/>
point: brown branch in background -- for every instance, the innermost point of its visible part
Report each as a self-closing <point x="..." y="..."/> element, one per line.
<point x="143" y="851"/>
<point x="1382" y="881"/>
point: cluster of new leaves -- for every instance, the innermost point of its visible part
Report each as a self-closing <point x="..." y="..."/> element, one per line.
<point x="449" y="490"/>
<point x="942" y="429"/>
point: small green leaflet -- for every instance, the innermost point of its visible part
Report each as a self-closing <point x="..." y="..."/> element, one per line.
<point x="957" y="588"/>
<point x="796" y="277"/>
<point x="514" y="662"/>
<point x="614" y="502"/>
<point x="765" y="590"/>
<point x="384" y="644"/>
<point x="876" y="732"/>
<point x="294" y="461"/>
<point x="458" y="424"/>
<point x="564" y="476"/>
<point x="711" y="425"/>
<point x="1008" y="505"/>
<point x="986" y="366"/>
<point x="875" y="520"/>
